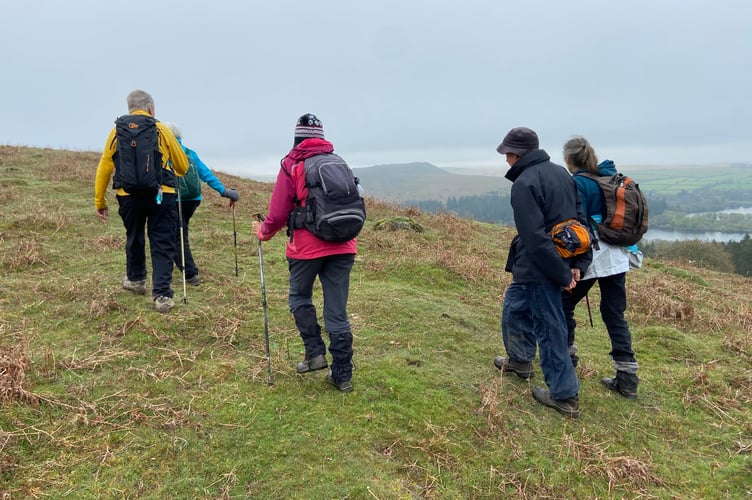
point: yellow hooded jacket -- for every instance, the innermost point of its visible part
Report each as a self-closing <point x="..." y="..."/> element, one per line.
<point x="173" y="158"/>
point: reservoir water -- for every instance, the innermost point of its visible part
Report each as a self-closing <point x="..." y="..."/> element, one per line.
<point x="669" y="235"/>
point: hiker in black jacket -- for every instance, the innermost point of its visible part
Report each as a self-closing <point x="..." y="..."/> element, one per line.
<point x="543" y="194"/>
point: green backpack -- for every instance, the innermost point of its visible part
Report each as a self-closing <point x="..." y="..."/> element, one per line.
<point x="190" y="183"/>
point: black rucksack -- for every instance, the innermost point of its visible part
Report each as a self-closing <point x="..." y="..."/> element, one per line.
<point x="334" y="209"/>
<point x="189" y="185"/>
<point x="138" y="162"/>
<point x="625" y="220"/>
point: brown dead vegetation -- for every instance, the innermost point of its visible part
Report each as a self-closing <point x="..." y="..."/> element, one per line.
<point x="622" y="471"/>
<point x="14" y="362"/>
<point x="694" y="300"/>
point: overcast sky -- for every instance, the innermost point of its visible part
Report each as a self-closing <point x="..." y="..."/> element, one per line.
<point x="646" y="81"/>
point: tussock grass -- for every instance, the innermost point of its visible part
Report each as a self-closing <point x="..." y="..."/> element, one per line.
<point x="104" y="397"/>
<point x="13" y="365"/>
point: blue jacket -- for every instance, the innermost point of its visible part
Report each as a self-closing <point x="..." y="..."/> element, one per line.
<point x="543" y="194"/>
<point x="204" y="173"/>
<point x="608" y="260"/>
<point x="590" y="194"/>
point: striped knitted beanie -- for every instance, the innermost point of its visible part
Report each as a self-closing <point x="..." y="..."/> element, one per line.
<point x="309" y="126"/>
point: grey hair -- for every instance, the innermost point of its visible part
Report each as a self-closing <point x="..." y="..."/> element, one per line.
<point x="139" y="100"/>
<point x="175" y="130"/>
<point x="581" y="154"/>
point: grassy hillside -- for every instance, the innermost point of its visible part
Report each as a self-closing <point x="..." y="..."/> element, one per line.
<point x="102" y="397"/>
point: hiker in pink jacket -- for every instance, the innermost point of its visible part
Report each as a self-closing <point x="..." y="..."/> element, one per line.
<point x="309" y="257"/>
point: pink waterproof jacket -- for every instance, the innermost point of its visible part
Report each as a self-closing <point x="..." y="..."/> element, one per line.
<point x="290" y="186"/>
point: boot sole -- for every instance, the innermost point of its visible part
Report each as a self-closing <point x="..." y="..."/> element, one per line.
<point x="309" y="369"/>
<point x="508" y="369"/>
<point x="523" y="376"/>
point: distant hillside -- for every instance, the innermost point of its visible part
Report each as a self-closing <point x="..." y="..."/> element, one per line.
<point x="424" y="181"/>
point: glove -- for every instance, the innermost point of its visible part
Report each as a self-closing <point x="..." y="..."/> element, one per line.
<point x="230" y="193"/>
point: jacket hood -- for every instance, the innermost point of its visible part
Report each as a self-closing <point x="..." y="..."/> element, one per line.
<point x="607" y="167"/>
<point x="306" y="149"/>
<point x="310" y="147"/>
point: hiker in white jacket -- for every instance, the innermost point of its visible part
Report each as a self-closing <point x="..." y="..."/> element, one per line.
<point x="608" y="268"/>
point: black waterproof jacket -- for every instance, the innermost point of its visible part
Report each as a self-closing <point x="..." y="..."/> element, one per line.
<point x="543" y="194"/>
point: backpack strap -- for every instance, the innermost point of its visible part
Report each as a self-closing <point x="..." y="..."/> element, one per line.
<point x="594" y="179"/>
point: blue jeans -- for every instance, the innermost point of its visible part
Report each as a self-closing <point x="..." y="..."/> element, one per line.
<point x="533" y="314"/>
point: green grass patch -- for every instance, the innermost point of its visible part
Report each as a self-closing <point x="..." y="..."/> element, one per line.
<point x="103" y="397"/>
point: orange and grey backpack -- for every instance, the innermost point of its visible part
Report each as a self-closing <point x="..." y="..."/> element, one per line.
<point x="625" y="218"/>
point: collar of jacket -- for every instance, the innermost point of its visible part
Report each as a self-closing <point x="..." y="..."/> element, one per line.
<point x="528" y="159"/>
<point x="306" y="149"/>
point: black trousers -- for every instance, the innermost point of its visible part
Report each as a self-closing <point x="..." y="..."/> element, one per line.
<point x="143" y="214"/>
<point x="188" y="207"/>
<point x="613" y="304"/>
<point x="333" y="272"/>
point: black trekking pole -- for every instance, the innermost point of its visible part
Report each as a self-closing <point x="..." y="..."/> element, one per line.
<point x="589" y="312"/>
<point x="182" y="244"/>
<point x="263" y="305"/>
<point x="235" y="236"/>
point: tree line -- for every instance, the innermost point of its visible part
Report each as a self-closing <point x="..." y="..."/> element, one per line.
<point x="732" y="257"/>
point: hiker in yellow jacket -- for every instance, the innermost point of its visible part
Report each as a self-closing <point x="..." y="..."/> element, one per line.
<point x="151" y="208"/>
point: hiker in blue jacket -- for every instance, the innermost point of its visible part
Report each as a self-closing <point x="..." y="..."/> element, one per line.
<point x="191" y="203"/>
<point x="543" y="195"/>
<point x="609" y="268"/>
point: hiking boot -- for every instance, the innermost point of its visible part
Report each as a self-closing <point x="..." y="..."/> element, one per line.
<point x="624" y="383"/>
<point x="137" y="287"/>
<point x="567" y="407"/>
<point x="522" y="370"/>
<point x="163" y="304"/>
<point x="193" y="280"/>
<point x="344" y="386"/>
<point x="313" y="364"/>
